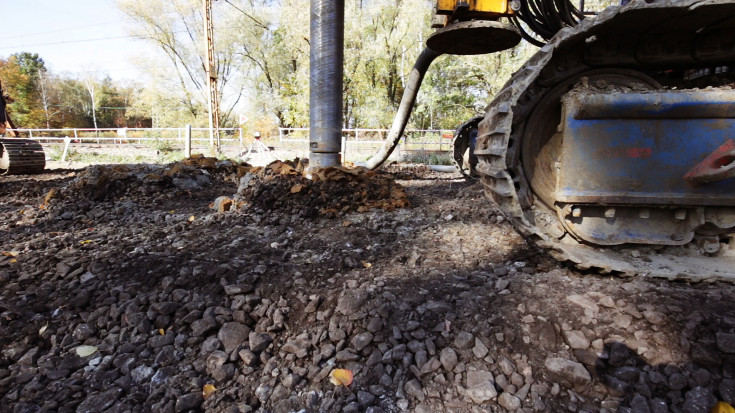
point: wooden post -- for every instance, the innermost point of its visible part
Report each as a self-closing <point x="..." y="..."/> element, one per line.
<point x="187" y="142"/>
<point x="211" y="72"/>
<point x="67" y="141"/>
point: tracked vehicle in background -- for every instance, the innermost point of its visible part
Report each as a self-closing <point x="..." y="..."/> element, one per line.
<point x="17" y="155"/>
<point x="607" y="147"/>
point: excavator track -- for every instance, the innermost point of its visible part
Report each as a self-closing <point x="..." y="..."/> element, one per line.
<point x="636" y="44"/>
<point x="21" y="156"/>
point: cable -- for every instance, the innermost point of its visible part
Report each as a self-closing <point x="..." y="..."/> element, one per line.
<point x="139" y="37"/>
<point x="545" y="18"/>
<point x="61" y="30"/>
<point x="67" y="41"/>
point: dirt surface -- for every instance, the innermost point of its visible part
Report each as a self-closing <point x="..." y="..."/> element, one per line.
<point x="434" y="304"/>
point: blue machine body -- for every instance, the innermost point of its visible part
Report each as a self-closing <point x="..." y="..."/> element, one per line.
<point x="636" y="148"/>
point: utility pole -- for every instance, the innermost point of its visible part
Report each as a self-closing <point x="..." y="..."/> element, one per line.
<point x="212" y="81"/>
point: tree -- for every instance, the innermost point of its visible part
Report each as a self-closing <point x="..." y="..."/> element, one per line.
<point x="21" y="75"/>
<point x="89" y="83"/>
<point x="262" y="51"/>
<point x="176" y="28"/>
<point x="273" y="44"/>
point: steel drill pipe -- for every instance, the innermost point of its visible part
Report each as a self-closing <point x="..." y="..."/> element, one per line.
<point x="325" y="79"/>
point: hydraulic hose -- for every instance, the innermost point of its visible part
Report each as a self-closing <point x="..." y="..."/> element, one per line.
<point x="404" y="108"/>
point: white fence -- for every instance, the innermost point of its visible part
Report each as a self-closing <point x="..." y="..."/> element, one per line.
<point x="228" y="136"/>
<point x="356" y="143"/>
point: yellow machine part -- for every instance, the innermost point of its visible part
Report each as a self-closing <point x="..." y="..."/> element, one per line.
<point x="489" y="7"/>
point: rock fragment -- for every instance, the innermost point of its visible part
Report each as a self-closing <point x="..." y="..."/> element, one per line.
<point x="480" y="386"/>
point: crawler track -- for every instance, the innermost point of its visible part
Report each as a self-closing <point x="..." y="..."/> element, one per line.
<point x="639" y="38"/>
<point x="21" y="156"/>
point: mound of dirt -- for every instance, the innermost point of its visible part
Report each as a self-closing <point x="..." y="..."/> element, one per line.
<point x="108" y="182"/>
<point x="287" y="187"/>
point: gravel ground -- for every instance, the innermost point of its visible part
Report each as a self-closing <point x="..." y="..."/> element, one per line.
<point x="130" y="288"/>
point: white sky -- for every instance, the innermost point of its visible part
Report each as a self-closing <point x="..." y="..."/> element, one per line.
<point x="74" y="36"/>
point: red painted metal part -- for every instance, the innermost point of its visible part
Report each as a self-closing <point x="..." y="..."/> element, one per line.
<point x="717" y="166"/>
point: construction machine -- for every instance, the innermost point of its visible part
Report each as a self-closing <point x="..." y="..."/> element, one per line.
<point x="17" y="155"/>
<point x="611" y="147"/>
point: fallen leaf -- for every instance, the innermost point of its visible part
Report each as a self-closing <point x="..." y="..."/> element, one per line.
<point x="366" y="264"/>
<point x="192" y="218"/>
<point x="13" y="261"/>
<point x="84" y="351"/>
<point x="86" y="241"/>
<point x="296" y="188"/>
<point x="10" y="253"/>
<point x="340" y="377"/>
<point x="161" y="332"/>
<point x="722" y="407"/>
<point x="208" y="390"/>
<point x="42" y="330"/>
<point x="346" y="223"/>
<point x="50" y="195"/>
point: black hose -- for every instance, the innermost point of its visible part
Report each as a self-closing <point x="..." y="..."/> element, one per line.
<point x="404" y="108"/>
<point x="545" y="18"/>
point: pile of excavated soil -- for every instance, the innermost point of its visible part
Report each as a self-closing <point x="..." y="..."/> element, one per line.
<point x="288" y="187"/>
<point x="121" y="289"/>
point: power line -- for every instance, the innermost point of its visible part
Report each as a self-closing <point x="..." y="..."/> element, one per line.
<point x="139" y="37"/>
<point x="67" y="42"/>
<point x="62" y="30"/>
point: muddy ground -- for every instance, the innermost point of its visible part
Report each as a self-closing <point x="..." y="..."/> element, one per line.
<point x="129" y="288"/>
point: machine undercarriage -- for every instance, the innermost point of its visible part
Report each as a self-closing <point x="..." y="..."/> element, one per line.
<point x="17" y="156"/>
<point x="591" y="156"/>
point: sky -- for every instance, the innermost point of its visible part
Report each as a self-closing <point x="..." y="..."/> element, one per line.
<point x="72" y="36"/>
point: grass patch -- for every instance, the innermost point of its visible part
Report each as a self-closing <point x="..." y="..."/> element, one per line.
<point x="428" y="158"/>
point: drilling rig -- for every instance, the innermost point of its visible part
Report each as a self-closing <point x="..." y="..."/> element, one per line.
<point x="611" y="147"/>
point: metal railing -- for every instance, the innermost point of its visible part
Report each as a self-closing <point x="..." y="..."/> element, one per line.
<point x="356" y="143"/>
<point x="129" y="135"/>
<point x="361" y="141"/>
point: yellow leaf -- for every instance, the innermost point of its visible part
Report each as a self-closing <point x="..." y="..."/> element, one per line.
<point x="208" y="390"/>
<point x="13" y="261"/>
<point x="296" y="188"/>
<point x="161" y="332"/>
<point x="86" y="241"/>
<point x="366" y="264"/>
<point x="722" y="407"/>
<point x="172" y="211"/>
<point x="84" y="351"/>
<point x="50" y="195"/>
<point x="10" y="253"/>
<point x="340" y="377"/>
<point x="42" y="329"/>
<point x="192" y="218"/>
